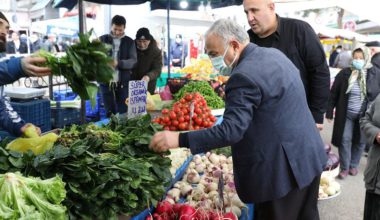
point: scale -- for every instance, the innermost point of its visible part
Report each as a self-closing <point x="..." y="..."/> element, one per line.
<point x="24" y="93"/>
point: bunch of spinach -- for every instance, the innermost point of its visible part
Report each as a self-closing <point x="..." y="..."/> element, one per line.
<point x="108" y="170"/>
<point x="83" y="63"/>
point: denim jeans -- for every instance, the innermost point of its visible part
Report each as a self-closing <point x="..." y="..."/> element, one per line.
<point x="349" y="153"/>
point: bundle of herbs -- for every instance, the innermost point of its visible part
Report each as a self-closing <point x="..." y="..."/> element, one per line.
<point x="108" y="170"/>
<point x="83" y="63"/>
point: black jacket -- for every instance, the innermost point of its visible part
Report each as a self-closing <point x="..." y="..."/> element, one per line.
<point x="298" y="41"/>
<point x="11" y="47"/>
<point x="339" y="101"/>
<point x="127" y="57"/>
<point x="149" y="62"/>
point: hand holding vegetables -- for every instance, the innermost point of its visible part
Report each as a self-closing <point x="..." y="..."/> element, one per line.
<point x="163" y="141"/>
<point x="29" y="66"/>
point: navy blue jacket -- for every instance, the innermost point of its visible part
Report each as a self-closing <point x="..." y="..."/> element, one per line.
<point x="275" y="144"/>
<point x="10" y="71"/>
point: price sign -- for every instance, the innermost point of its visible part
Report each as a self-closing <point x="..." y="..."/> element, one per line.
<point x="137" y="98"/>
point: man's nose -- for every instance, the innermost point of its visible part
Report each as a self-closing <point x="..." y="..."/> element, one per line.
<point x="250" y="16"/>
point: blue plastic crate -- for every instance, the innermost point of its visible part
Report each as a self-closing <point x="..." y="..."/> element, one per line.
<point x="62" y="95"/>
<point x="60" y="117"/>
<point x="35" y="111"/>
<point x="92" y="112"/>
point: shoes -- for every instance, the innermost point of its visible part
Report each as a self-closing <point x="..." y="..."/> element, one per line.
<point x="343" y="174"/>
<point x="353" y="171"/>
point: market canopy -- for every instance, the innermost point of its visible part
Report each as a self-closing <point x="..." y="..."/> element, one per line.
<point x="193" y="5"/>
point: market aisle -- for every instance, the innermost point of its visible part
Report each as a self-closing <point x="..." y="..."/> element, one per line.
<point x="349" y="204"/>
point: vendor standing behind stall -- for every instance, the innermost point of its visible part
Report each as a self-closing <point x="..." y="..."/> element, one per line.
<point x="124" y="55"/>
<point x="149" y="59"/>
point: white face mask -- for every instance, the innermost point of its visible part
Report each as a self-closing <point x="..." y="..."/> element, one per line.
<point x="338" y="50"/>
<point x="219" y="64"/>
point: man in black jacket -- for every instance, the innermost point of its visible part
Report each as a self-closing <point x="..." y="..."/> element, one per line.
<point x="124" y="54"/>
<point x="298" y="41"/>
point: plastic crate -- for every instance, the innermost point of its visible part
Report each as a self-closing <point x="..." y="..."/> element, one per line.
<point x="60" y="117"/>
<point x="92" y="112"/>
<point x="5" y="134"/>
<point x="62" y="95"/>
<point x="35" y="111"/>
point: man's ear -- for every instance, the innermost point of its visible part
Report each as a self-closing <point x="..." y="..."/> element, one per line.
<point x="235" y="44"/>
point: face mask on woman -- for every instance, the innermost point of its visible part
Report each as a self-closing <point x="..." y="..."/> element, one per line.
<point x="358" y="64"/>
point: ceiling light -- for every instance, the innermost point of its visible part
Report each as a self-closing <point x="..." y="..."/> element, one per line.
<point x="183" y="4"/>
<point x="201" y="7"/>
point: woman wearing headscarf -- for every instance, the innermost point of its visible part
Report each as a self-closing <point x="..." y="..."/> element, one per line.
<point x="149" y="59"/>
<point x="347" y="95"/>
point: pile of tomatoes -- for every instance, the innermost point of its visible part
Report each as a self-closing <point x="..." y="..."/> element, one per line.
<point x="178" y="118"/>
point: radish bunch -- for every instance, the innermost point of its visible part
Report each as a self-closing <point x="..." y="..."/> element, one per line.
<point x="178" y="211"/>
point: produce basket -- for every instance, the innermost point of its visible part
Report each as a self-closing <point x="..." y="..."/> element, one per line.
<point x="60" y="117"/>
<point x="175" y="84"/>
<point x="35" y="111"/>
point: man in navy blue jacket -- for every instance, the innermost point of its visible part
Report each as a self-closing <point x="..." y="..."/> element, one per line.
<point x="277" y="150"/>
<point x="10" y="71"/>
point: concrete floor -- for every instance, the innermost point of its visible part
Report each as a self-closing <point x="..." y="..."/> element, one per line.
<point x="349" y="205"/>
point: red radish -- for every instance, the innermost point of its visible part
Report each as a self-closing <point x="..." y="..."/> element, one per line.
<point x="164" y="207"/>
<point x="186" y="212"/>
<point x="149" y="217"/>
<point x="177" y="207"/>
<point x="230" y="215"/>
<point x="214" y="216"/>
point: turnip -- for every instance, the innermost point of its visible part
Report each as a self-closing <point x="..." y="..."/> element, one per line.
<point x="214" y="159"/>
<point x="186" y="190"/>
<point x="211" y="187"/>
<point x="174" y="194"/>
<point x="216" y="173"/>
<point x="197" y="194"/>
<point x="208" y="154"/>
<point x="213" y="194"/>
<point x="197" y="159"/>
<point x="200" y="167"/>
<point x="229" y="160"/>
<point x="192" y="165"/>
<point x="170" y="200"/>
<point x="235" y="200"/>
<point x="193" y="177"/>
<point x="222" y="159"/>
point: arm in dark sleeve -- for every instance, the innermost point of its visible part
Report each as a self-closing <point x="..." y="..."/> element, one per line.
<point x="243" y="96"/>
<point x="9" y="119"/>
<point x="156" y="65"/>
<point x="334" y="95"/>
<point x="318" y="73"/>
<point x="128" y="64"/>
<point x="369" y="129"/>
<point x="10" y="71"/>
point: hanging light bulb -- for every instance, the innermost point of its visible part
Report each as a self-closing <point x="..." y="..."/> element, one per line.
<point x="183" y="4"/>
<point x="201" y="7"/>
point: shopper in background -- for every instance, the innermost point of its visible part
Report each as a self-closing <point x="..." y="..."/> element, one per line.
<point x="344" y="59"/>
<point x="334" y="54"/>
<point x="298" y="41"/>
<point x="16" y="46"/>
<point x="149" y="59"/>
<point x="370" y="125"/>
<point x="35" y="43"/>
<point x="124" y="55"/>
<point x="347" y="95"/>
<point x="373" y="76"/>
<point x="277" y="151"/>
<point x="178" y="52"/>
<point x="10" y="71"/>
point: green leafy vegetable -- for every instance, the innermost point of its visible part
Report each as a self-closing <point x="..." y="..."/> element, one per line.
<point x="212" y="99"/>
<point x="83" y="63"/>
<point x="31" y="198"/>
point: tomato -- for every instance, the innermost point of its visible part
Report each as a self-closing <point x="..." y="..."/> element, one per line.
<point x="176" y="109"/>
<point x="175" y="123"/>
<point x="165" y="111"/>
<point x="172" y="115"/>
<point x="173" y="128"/>
<point x="181" y="119"/>
<point x="212" y="118"/>
<point x="189" y="97"/>
<point x="198" y="121"/>
<point x="166" y="128"/>
<point x="179" y="114"/>
<point x="187" y="118"/>
<point x="198" y="110"/>
<point x="183" y="101"/>
<point x="182" y="126"/>
<point x="166" y="119"/>
<point x="196" y="127"/>
<point x="205" y="124"/>
<point x="185" y="111"/>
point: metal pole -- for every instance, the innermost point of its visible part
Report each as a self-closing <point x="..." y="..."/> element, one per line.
<point x="168" y="23"/>
<point x="81" y="30"/>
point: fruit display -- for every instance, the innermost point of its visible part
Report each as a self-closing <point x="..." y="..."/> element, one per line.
<point x="189" y="113"/>
<point x="198" y="192"/>
<point x="328" y="187"/>
<point x="199" y="66"/>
